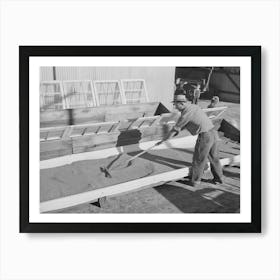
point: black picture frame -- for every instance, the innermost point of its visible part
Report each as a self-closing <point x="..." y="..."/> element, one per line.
<point x="254" y="52"/>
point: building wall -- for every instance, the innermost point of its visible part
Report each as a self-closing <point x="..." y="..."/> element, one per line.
<point x="159" y="80"/>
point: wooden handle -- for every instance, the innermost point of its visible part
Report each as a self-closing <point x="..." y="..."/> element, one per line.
<point x="143" y="152"/>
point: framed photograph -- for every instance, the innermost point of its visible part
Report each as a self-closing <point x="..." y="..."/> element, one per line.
<point x="140" y="139"/>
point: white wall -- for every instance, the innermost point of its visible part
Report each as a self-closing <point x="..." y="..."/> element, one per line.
<point x="159" y="80"/>
<point x="166" y="256"/>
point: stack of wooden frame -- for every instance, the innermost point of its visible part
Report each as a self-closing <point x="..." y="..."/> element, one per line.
<point x="56" y="95"/>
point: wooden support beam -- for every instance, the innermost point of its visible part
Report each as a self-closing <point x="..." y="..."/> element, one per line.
<point x="67" y="132"/>
<point x="138" y="123"/>
<point x="156" y="121"/>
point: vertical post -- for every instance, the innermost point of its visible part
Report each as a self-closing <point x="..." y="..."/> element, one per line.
<point x="64" y="99"/>
<point x="122" y="92"/>
<point x="42" y="96"/>
<point x="55" y="88"/>
<point x="95" y="93"/>
<point x="54" y="73"/>
<point x="94" y="98"/>
<point x="146" y="92"/>
<point x="84" y="93"/>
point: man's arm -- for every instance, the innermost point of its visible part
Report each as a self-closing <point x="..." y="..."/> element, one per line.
<point x="169" y="135"/>
<point x="182" y="121"/>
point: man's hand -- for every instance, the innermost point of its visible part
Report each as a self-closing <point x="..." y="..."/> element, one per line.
<point x="169" y="135"/>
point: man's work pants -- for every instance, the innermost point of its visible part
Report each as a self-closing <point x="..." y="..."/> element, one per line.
<point x="206" y="147"/>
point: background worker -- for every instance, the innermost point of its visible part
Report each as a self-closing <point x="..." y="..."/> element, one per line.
<point x="214" y="102"/>
<point x="196" y="94"/>
<point x="183" y="87"/>
<point x="194" y="119"/>
<point x="179" y="87"/>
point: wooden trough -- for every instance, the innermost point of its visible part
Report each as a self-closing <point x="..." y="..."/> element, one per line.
<point x="73" y="131"/>
<point x="73" y="135"/>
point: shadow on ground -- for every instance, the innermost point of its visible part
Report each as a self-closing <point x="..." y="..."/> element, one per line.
<point x="206" y="200"/>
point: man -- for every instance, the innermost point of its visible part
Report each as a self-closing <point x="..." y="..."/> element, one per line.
<point x="189" y="91"/>
<point x="183" y="87"/>
<point x="197" y="123"/>
<point x="179" y="87"/>
<point x="214" y="102"/>
<point x="196" y="94"/>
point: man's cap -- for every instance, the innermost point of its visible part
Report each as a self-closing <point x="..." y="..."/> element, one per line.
<point x="179" y="98"/>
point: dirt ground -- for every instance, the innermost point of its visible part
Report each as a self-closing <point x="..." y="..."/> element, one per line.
<point x="172" y="197"/>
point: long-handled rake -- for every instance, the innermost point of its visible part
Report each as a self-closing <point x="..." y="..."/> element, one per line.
<point x="105" y="169"/>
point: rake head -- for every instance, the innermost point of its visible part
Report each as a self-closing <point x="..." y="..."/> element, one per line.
<point x="105" y="171"/>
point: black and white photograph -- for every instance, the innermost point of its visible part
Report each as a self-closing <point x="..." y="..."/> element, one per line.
<point x="144" y="136"/>
<point x="140" y="139"/>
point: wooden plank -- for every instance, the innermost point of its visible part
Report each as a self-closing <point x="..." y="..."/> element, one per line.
<point x="218" y="115"/>
<point x="91" y="129"/>
<point x="150" y="181"/>
<point x="55" y="148"/>
<point x="55" y="133"/>
<point x="95" y="93"/>
<point x="131" y="111"/>
<point x="126" y="124"/>
<point x="129" y="108"/>
<point x="216" y="109"/>
<point x="64" y="99"/>
<point x="88" y="115"/>
<point x="177" y="142"/>
<point x="155" y="121"/>
<point x="106" y="127"/>
<point x="140" y="122"/>
<point x="51" y="129"/>
<point x="123" y="97"/>
<point x="43" y="135"/>
<point x="145" y="91"/>
<point x="51" y="118"/>
<point x="215" y="113"/>
<point x="93" y="142"/>
<point x="94" y="124"/>
<point x="67" y="132"/>
<point x="89" y="143"/>
<point x="124" y="116"/>
<point x="115" y="127"/>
